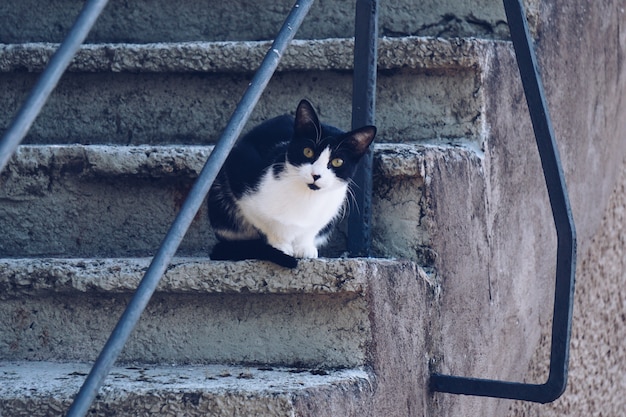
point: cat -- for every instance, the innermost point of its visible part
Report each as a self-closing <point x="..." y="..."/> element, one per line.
<point x="283" y="187"/>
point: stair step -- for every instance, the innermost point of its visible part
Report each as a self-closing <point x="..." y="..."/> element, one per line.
<point x="184" y="93"/>
<point x="111" y="201"/>
<point x="47" y="388"/>
<point x="202" y="312"/>
<point x="37" y="276"/>
<point x="360" y="329"/>
<point x="335" y="307"/>
<point x="166" y="162"/>
<point x="245" y="57"/>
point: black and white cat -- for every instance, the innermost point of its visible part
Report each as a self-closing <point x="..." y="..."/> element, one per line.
<point x="283" y="187"/>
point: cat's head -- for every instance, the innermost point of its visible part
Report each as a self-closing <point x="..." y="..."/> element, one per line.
<point x="324" y="157"/>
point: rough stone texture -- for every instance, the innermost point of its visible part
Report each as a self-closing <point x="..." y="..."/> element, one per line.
<point x="297" y="330"/>
<point x="597" y="369"/>
<point x="259" y="313"/>
<point x="192" y="20"/>
<point x="480" y="249"/>
<point x="141" y="188"/>
<point x="590" y="118"/>
<point x="245" y="57"/>
<point x="503" y="291"/>
<point x="401" y="312"/>
<point x="430" y="90"/>
<point x="40" y="276"/>
<point x="57" y="212"/>
<point x="406" y="205"/>
<point x="404" y="316"/>
<point x="44" y="389"/>
<point x="134" y="109"/>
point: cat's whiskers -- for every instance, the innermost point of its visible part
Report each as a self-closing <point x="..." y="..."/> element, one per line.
<point x="351" y="197"/>
<point x="343" y="210"/>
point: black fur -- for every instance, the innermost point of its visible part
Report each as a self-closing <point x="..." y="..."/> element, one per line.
<point x="251" y="249"/>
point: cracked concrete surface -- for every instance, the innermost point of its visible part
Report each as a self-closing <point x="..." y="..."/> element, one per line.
<point x="137" y="22"/>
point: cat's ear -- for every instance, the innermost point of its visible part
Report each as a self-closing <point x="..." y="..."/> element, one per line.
<point x="307" y="123"/>
<point x="360" y="139"/>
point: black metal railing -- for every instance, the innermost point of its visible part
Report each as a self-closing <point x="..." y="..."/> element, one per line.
<point x="566" y="237"/>
<point x="364" y="94"/>
<point x="363" y="113"/>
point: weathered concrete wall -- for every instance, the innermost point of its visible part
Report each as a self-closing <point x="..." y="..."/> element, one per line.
<point x="582" y="48"/>
<point x="598" y="354"/>
<point x="493" y="234"/>
<point x="496" y="260"/>
<point x="587" y="88"/>
<point x="157" y="21"/>
<point x="591" y="86"/>
<point x="399" y="297"/>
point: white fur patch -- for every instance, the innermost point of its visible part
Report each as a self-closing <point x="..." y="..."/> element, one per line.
<point x="289" y="212"/>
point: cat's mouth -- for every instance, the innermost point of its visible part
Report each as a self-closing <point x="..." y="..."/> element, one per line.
<point x="313" y="186"/>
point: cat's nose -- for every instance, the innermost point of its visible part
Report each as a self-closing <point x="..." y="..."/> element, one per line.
<point x="316" y="177"/>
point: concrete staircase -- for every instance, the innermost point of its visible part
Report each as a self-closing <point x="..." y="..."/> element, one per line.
<point x="218" y="338"/>
<point x="89" y="196"/>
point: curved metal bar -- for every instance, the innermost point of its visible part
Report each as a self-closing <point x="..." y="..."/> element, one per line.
<point x="566" y="237"/>
<point x="49" y="79"/>
<point x="183" y="220"/>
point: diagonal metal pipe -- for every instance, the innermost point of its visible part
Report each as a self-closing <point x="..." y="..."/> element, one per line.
<point x="49" y="79"/>
<point x="177" y="231"/>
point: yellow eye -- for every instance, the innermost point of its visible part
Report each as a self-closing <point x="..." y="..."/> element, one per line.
<point x="337" y="162"/>
<point x="308" y="152"/>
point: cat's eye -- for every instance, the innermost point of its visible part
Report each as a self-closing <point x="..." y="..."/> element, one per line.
<point x="308" y="152"/>
<point x="337" y="162"/>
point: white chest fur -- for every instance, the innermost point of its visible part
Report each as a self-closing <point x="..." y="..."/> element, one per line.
<point x="289" y="213"/>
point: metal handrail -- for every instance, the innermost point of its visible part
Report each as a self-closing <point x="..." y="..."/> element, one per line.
<point x="183" y="220"/>
<point x="49" y="79"/>
<point x="566" y="237"/>
<point x="363" y="113"/>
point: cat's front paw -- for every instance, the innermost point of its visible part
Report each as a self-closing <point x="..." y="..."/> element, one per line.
<point x="305" y="251"/>
<point x="297" y="250"/>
